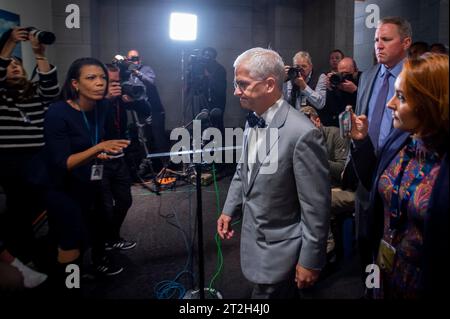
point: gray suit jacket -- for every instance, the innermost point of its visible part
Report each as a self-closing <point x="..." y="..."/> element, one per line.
<point x="286" y="213"/>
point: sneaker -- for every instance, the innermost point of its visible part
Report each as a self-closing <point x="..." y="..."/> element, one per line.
<point x="31" y="277"/>
<point x="106" y="268"/>
<point x="121" y="244"/>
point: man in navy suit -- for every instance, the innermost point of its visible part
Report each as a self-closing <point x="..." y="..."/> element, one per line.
<point x="376" y="87"/>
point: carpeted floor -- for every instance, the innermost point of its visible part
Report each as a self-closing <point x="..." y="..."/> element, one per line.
<point x="160" y="267"/>
<point x="164" y="264"/>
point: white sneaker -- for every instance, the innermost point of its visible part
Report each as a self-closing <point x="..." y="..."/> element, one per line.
<point x="31" y="277"/>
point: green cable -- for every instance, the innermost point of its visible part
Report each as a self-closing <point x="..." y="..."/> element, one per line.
<point x="219" y="265"/>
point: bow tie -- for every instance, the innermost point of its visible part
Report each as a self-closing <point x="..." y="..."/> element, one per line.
<point x="254" y="120"/>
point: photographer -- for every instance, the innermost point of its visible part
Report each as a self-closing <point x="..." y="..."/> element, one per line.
<point x="116" y="181"/>
<point x="143" y="72"/>
<point x="155" y="132"/>
<point x="207" y="79"/>
<point x="22" y="108"/>
<point x="303" y="86"/>
<point x="342" y="88"/>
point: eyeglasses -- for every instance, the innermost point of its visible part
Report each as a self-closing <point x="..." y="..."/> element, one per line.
<point x="244" y="85"/>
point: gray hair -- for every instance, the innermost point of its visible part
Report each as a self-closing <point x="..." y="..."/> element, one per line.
<point x="302" y="55"/>
<point x="403" y="26"/>
<point x="262" y="63"/>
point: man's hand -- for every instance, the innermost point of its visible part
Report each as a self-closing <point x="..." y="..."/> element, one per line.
<point x="137" y="73"/>
<point x="224" y="227"/>
<point x="127" y="99"/>
<point x="286" y="70"/>
<point x="360" y="127"/>
<point x="328" y="82"/>
<point x="304" y="277"/>
<point x="114" y="90"/>
<point x="300" y="82"/>
<point x="348" y="86"/>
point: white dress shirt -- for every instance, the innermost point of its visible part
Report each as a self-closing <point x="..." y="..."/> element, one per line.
<point x="257" y="135"/>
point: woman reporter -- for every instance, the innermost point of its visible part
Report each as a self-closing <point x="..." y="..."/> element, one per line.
<point x="409" y="181"/>
<point x="73" y="136"/>
<point x="22" y="109"/>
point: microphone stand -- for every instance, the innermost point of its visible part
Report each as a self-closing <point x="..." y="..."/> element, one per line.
<point x="201" y="260"/>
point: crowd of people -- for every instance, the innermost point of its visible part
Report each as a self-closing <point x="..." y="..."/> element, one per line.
<point x="65" y="150"/>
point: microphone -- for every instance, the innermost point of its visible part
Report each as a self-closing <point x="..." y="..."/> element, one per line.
<point x="203" y="115"/>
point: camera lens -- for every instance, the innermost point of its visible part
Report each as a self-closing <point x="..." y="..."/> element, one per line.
<point x="336" y="79"/>
<point x="44" y="37"/>
<point x="293" y="73"/>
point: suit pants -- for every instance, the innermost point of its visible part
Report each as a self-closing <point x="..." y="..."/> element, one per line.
<point x="286" y="289"/>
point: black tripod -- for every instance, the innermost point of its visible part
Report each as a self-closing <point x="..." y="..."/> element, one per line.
<point x="146" y="165"/>
<point x="199" y="215"/>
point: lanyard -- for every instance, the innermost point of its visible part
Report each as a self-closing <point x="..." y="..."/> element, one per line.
<point x="398" y="211"/>
<point x="94" y="141"/>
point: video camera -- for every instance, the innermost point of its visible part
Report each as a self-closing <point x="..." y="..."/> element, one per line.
<point x="338" y="78"/>
<point x="131" y="85"/>
<point x="197" y="64"/>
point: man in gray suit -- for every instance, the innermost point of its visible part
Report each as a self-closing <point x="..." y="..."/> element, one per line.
<point x="376" y="87"/>
<point x="286" y="210"/>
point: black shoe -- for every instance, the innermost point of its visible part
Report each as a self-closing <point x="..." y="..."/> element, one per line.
<point x="106" y="268"/>
<point x="121" y="244"/>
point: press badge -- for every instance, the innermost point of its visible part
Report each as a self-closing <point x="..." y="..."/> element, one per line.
<point x="96" y="172"/>
<point x="386" y="255"/>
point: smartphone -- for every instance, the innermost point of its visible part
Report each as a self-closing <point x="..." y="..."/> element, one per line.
<point x="345" y="122"/>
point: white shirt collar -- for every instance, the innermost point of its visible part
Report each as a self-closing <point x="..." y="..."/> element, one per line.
<point x="270" y="112"/>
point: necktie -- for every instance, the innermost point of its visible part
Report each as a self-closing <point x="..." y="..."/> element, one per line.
<point x="254" y="120"/>
<point x="377" y="115"/>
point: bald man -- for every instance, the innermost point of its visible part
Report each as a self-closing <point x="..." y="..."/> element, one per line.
<point x="338" y="96"/>
<point x="143" y="72"/>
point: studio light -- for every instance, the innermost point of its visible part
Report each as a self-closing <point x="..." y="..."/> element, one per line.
<point x="183" y="26"/>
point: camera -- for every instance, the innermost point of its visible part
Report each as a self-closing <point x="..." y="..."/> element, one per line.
<point x="44" y="37"/>
<point x="338" y="78"/>
<point x="293" y="73"/>
<point x="131" y="86"/>
<point x="197" y="64"/>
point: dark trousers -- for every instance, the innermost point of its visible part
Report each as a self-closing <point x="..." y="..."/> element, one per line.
<point x="286" y="289"/>
<point x="75" y="218"/>
<point x="116" y="196"/>
<point x="24" y="202"/>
